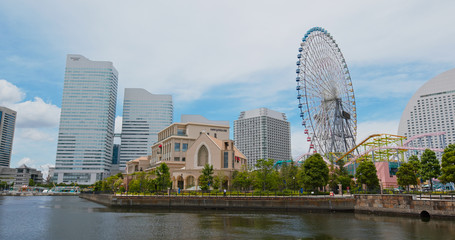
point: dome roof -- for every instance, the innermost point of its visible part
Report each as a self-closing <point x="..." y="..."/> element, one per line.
<point x="443" y="83"/>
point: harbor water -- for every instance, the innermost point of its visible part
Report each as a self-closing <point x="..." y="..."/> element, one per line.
<point x="70" y="217"/>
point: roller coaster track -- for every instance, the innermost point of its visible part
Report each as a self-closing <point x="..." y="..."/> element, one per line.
<point x="404" y="147"/>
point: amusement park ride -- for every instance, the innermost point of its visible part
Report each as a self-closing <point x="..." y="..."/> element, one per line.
<point x="328" y="110"/>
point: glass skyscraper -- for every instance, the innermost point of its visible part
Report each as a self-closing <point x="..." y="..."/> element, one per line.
<point x="144" y="115"/>
<point x="7" y="125"/>
<point x="86" y="133"/>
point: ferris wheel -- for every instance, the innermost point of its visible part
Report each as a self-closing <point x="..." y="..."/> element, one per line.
<point x="325" y="93"/>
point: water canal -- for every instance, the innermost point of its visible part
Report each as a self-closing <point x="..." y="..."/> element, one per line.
<point x="69" y="217"/>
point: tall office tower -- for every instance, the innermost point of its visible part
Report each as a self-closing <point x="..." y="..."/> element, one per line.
<point x="144" y="115"/>
<point x="86" y="133"/>
<point x="7" y="125"/>
<point x="431" y="109"/>
<point x="262" y="134"/>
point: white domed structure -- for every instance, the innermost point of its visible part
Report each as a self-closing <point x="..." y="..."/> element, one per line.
<point x="431" y="109"/>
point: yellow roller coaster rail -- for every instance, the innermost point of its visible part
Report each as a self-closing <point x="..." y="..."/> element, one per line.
<point x="384" y="146"/>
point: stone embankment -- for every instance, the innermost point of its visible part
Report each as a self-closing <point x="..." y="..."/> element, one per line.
<point x="316" y="203"/>
<point x="405" y="205"/>
<point x="376" y="204"/>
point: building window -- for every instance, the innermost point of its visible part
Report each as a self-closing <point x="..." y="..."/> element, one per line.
<point x="184" y="147"/>
<point x="226" y="160"/>
<point x="202" y="156"/>
<point x="183" y="159"/>
<point x="177" y="159"/>
<point x="177" y="147"/>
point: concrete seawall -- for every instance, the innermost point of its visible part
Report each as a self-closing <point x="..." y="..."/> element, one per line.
<point x="227" y="203"/>
<point x="404" y="205"/>
<point x="377" y="204"/>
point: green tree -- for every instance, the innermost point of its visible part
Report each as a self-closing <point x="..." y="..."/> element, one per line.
<point x="287" y="174"/>
<point x="242" y="179"/>
<point x="293" y="170"/>
<point x="333" y="177"/>
<point x="264" y="177"/>
<point x="31" y="182"/>
<point x="366" y="174"/>
<point x="3" y="185"/>
<point x="206" y="179"/>
<point x="406" y="175"/>
<point x="110" y="183"/>
<point x="218" y="180"/>
<point x="104" y="186"/>
<point x="343" y="176"/>
<point x="345" y="181"/>
<point x="315" y="172"/>
<point x="97" y="186"/>
<point x="163" y="177"/>
<point x="448" y="165"/>
<point x="430" y="167"/>
<point x="141" y="182"/>
<point x="449" y="148"/>
<point x="134" y="186"/>
<point x="118" y="184"/>
<point x="415" y="162"/>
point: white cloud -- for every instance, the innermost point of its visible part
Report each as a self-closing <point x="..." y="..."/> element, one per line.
<point x="387" y="86"/>
<point x="45" y="169"/>
<point x="33" y="134"/>
<point x="9" y="93"/>
<point x="27" y="161"/>
<point x="32" y="113"/>
<point x="299" y="143"/>
<point x="186" y="48"/>
<point x="36" y="114"/>
<point x="367" y="128"/>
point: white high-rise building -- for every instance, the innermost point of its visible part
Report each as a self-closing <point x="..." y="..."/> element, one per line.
<point x="7" y="126"/>
<point x="262" y="134"/>
<point x="144" y="115"/>
<point x="431" y="109"/>
<point x="86" y="133"/>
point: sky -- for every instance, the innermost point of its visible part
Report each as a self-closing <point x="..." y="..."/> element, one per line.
<point x="216" y="58"/>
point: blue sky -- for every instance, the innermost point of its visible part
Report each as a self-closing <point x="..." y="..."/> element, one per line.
<point x="216" y="58"/>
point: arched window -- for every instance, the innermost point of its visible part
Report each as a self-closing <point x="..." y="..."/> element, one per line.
<point x="202" y="156"/>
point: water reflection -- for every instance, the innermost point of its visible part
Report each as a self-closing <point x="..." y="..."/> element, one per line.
<point x="74" y="218"/>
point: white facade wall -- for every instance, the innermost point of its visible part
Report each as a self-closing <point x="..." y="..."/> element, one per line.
<point x="144" y="115"/>
<point x="86" y="132"/>
<point x="7" y="126"/>
<point x="262" y="134"/>
<point x="431" y="109"/>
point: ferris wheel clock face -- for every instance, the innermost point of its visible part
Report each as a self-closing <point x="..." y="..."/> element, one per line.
<point x="325" y="94"/>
